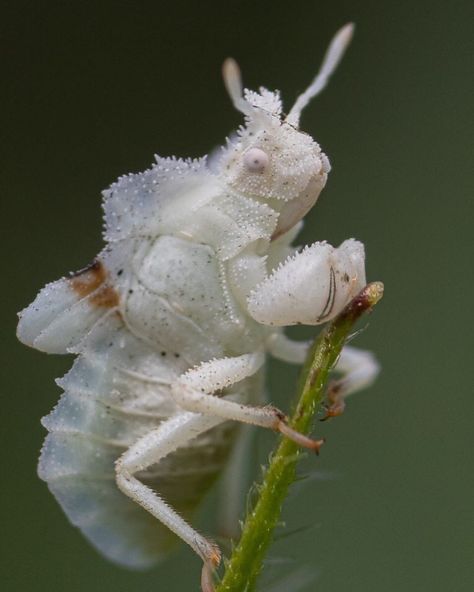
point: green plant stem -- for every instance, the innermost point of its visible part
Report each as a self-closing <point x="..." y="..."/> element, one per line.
<point x="247" y="558"/>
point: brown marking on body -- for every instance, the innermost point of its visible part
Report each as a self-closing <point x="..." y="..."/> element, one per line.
<point x="92" y="281"/>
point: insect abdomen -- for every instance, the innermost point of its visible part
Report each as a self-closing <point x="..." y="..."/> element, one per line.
<point x="86" y="437"/>
<point x="120" y="530"/>
<point x="93" y="424"/>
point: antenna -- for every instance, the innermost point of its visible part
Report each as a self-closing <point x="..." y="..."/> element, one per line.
<point x="233" y="84"/>
<point x="332" y="58"/>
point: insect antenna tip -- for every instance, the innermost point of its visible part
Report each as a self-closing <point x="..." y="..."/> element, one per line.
<point x="233" y="83"/>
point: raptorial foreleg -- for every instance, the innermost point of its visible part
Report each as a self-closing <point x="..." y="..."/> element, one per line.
<point x="311" y="287"/>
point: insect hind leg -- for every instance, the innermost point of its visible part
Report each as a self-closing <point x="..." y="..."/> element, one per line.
<point x="147" y="451"/>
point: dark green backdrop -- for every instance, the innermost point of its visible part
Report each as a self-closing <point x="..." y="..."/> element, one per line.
<point x="92" y="90"/>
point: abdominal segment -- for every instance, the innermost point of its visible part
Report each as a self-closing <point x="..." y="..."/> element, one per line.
<point x="117" y="391"/>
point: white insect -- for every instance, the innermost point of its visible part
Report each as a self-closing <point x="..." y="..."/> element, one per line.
<point x="172" y="322"/>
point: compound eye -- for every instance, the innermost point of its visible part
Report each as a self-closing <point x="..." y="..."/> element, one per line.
<point x="255" y="160"/>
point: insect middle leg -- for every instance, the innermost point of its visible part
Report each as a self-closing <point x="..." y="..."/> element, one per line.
<point x="193" y="392"/>
<point x="359" y="369"/>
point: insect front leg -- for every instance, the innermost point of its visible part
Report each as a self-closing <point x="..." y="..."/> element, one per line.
<point x="193" y="391"/>
<point x="311" y="287"/>
<point x="147" y="451"/>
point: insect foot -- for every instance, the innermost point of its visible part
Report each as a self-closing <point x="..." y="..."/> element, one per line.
<point x="335" y="404"/>
<point x="359" y="369"/>
<point x="208" y="569"/>
<point x="297" y="437"/>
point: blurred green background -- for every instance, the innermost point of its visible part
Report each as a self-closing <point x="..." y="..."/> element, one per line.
<point x="93" y="90"/>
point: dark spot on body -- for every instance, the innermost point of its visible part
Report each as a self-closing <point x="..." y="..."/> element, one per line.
<point x="106" y="297"/>
<point x="92" y="281"/>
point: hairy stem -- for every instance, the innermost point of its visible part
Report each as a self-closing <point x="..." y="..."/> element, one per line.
<point x="247" y="558"/>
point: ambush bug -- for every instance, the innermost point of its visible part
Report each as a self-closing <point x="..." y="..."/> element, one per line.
<point x="171" y="324"/>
